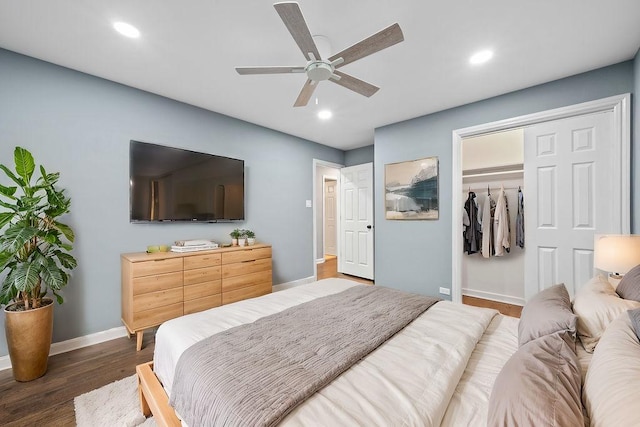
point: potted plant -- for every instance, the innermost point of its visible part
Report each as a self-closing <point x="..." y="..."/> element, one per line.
<point x="251" y="237"/>
<point x="235" y="235"/>
<point x="242" y="239"/>
<point x="34" y="252"/>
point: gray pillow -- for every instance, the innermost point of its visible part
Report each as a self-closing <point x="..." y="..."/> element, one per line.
<point x="540" y="385"/>
<point x="629" y="286"/>
<point x="634" y="315"/>
<point x="547" y="312"/>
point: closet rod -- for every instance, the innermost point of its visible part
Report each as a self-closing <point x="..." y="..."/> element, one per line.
<point x="492" y="189"/>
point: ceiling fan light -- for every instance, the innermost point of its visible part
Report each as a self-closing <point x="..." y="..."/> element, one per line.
<point x="324" y="114"/>
<point x="481" y="57"/>
<point x="319" y="70"/>
<point x="126" y="30"/>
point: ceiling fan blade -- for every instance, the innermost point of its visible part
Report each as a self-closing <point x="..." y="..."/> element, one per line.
<point x="356" y="85"/>
<point x="305" y="93"/>
<point x="269" y="70"/>
<point x="291" y="15"/>
<point x="372" y="44"/>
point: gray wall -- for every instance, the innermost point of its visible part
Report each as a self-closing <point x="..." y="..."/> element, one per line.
<point x="81" y="125"/>
<point x="416" y="255"/>
<point x="358" y="156"/>
<point x="635" y="147"/>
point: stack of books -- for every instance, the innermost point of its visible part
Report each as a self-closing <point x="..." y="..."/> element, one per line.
<point x="193" y="245"/>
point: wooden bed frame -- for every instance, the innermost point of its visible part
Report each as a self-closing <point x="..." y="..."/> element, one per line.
<point x="153" y="398"/>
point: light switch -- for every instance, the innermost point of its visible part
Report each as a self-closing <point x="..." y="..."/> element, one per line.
<point x="308" y="203"/>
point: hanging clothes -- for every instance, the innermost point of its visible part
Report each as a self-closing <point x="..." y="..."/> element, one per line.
<point x="488" y="213"/>
<point x="472" y="234"/>
<point x="501" y="225"/>
<point x="520" y="220"/>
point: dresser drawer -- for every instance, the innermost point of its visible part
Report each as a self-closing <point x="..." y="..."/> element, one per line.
<point x="201" y="304"/>
<point x="158" y="282"/>
<point x="245" y="267"/>
<point x="245" y="280"/>
<point x="159" y="266"/>
<point x="204" y="289"/>
<point x="157" y="299"/>
<point x="245" y="255"/>
<point x="153" y="317"/>
<point x="200" y="275"/>
<point x="246" y="292"/>
<point x="200" y="261"/>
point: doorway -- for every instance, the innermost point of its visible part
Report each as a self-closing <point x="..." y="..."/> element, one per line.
<point x="325" y="174"/>
<point x="618" y="199"/>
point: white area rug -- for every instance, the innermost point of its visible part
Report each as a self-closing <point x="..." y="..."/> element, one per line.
<point x="115" y="404"/>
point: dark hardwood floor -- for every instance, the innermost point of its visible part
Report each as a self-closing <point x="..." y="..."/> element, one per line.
<point x="48" y="401"/>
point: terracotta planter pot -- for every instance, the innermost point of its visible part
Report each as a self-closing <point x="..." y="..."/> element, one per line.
<point x="29" y="340"/>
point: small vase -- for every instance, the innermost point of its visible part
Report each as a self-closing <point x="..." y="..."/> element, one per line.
<point x="242" y="242"/>
<point x="234" y="242"/>
<point x="251" y="241"/>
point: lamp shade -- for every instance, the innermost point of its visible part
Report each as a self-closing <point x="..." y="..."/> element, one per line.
<point x="616" y="253"/>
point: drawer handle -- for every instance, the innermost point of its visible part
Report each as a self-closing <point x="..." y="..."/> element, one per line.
<point x="251" y="260"/>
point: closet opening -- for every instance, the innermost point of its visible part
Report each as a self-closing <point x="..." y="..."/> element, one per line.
<point x="493" y="198"/>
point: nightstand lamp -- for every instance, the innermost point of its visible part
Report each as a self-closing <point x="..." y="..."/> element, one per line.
<point x="616" y="254"/>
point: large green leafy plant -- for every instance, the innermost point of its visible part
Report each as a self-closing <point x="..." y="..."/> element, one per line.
<point x="34" y="245"/>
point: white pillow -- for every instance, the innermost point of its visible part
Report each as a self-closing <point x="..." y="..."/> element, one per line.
<point x="597" y="305"/>
<point x="611" y="390"/>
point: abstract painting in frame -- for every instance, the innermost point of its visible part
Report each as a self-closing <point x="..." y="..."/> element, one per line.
<point x="411" y="189"/>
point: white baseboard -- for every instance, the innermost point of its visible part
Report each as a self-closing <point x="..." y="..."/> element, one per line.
<point x="493" y="296"/>
<point x="75" y="343"/>
<point x="288" y="285"/>
<point x="320" y="261"/>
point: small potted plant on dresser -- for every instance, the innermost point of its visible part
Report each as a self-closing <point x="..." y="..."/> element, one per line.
<point x="251" y="237"/>
<point x="235" y="235"/>
<point x="242" y="240"/>
<point x="34" y="251"/>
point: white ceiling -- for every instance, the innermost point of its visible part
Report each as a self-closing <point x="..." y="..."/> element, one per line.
<point x="188" y="50"/>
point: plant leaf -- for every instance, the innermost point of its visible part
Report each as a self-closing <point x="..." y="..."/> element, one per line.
<point x="8" y="191"/>
<point x="26" y="276"/>
<point x="5" y="217"/>
<point x="51" y="276"/>
<point x="67" y="260"/>
<point x="16" y="236"/>
<point x="5" y="258"/>
<point x="25" y="164"/>
<point x="11" y="175"/>
<point x="64" y="229"/>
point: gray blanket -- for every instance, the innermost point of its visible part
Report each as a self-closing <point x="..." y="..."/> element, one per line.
<point x="255" y="374"/>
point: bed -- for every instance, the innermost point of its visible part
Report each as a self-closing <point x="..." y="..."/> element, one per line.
<point x="438" y="370"/>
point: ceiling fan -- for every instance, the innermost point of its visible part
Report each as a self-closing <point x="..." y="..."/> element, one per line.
<point x="319" y="69"/>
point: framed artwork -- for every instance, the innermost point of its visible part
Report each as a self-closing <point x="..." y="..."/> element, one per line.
<point x="411" y="189"/>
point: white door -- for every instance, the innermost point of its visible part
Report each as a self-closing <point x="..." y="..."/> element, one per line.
<point x="356" y="221"/>
<point x="330" y="220"/>
<point x="568" y="166"/>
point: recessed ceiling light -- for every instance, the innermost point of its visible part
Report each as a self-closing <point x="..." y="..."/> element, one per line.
<point x="325" y="114"/>
<point x="481" y="57"/>
<point x="127" y="30"/>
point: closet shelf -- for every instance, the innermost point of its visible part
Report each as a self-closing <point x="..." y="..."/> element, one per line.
<point x="493" y="172"/>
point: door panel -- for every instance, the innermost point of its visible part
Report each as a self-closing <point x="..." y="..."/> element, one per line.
<point x="566" y="169"/>
<point x="356" y="221"/>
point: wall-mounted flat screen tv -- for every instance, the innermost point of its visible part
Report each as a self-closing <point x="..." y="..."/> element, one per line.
<point x="171" y="184"/>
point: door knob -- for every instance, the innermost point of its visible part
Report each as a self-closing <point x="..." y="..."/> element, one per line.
<point x="369" y="227"/>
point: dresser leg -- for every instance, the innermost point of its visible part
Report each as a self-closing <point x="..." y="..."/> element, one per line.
<point x="139" y="335"/>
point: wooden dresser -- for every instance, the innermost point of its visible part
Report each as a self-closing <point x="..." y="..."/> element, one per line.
<point x="160" y="286"/>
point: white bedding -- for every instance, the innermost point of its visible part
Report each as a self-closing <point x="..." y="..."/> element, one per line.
<point x="409" y="380"/>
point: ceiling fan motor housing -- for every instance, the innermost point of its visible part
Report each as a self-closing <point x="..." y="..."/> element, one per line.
<point x="319" y="70"/>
